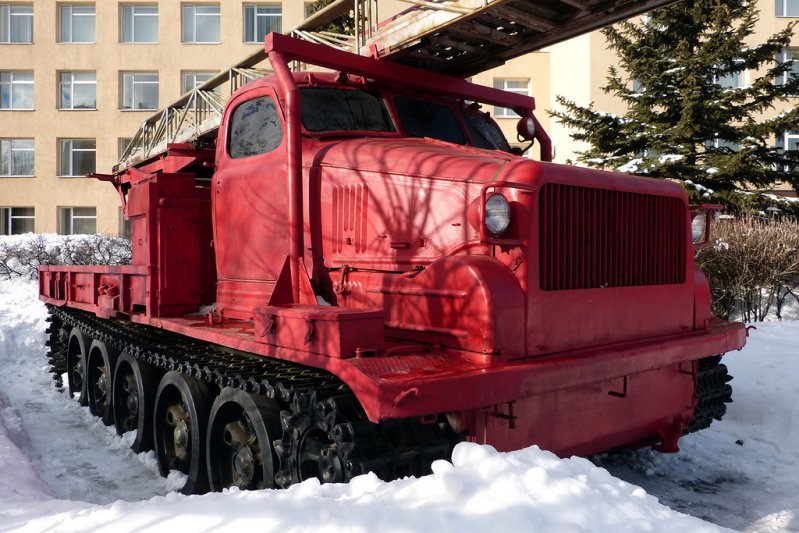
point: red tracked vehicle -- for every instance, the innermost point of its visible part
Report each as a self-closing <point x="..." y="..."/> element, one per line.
<point x="362" y="272"/>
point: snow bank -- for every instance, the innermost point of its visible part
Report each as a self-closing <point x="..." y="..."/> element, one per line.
<point x="481" y="490"/>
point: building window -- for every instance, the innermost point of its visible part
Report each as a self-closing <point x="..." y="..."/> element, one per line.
<point x="77" y="157"/>
<point x="139" y="90"/>
<point x="201" y="23"/>
<point x="519" y="86"/>
<point x="192" y="80"/>
<point x="16" y="220"/>
<point x="139" y="24"/>
<point x="78" y="90"/>
<point x="309" y="9"/>
<point x="77" y="24"/>
<point x="260" y="20"/>
<point x="722" y="145"/>
<point x="787" y="8"/>
<point x="16" y="23"/>
<point x="16" y="157"/>
<point x="731" y="80"/>
<point x="125" y="226"/>
<point x="77" y="220"/>
<point x="789" y="55"/>
<point x="122" y="144"/>
<point x="16" y="90"/>
<point x="789" y="140"/>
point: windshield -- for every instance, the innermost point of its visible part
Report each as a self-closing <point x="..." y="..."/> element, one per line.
<point x="421" y="118"/>
<point x="484" y="133"/>
<point x="334" y="109"/>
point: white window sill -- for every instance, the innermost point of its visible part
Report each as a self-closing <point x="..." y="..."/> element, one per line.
<point x="16" y="109"/>
<point x="203" y="42"/>
<point x="81" y="42"/>
<point x="77" y="109"/>
<point x="138" y="42"/>
<point x="25" y="176"/>
<point x="126" y="110"/>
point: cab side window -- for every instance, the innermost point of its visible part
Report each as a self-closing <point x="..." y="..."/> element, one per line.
<point x="255" y="128"/>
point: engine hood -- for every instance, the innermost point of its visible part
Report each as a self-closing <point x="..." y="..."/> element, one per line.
<point x="428" y="158"/>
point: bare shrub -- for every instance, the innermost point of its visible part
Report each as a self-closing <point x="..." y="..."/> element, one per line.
<point x="21" y="255"/>
<point x="752" y="265"/>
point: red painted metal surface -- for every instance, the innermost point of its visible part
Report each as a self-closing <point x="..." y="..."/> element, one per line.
<point x="578" y="328"/>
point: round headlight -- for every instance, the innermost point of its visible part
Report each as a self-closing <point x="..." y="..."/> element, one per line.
<point x="698" y="226"/>
<point x="497" y="214"/>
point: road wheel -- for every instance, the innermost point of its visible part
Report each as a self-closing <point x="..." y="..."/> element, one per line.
<point x="76" y="365"/>
<point x="99" y="368"/>
<point x="179" y="429"/>
<point x="241" y="429"/>
<point x="132" y="398"/>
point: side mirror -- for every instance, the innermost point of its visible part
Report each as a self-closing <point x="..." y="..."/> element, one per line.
<point x="701" y="220"/>
<point x="526" y="127"/>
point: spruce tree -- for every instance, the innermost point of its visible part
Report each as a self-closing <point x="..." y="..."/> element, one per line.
<point x="683" y="119"/>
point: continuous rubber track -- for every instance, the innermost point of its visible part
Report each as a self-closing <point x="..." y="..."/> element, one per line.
<point x="713" y="393"/>
<point x="325" y="432"/>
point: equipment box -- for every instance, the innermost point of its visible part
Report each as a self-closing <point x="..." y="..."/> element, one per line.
<point x="341" y="332"/>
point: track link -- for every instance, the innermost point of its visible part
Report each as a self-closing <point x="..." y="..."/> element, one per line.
<point x="325" y="432"/>
<point x="713" y="393"/>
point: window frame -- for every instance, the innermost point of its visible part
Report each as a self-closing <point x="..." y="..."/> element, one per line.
<point x="184" y="18"/>
<point x="11" y="84"/>
<point x="8" y="11"/>
<point x="133" y="6"/>
<point x="184" y="75"/>
<point x="782" y="57"/>
<point x="506" y="112"/>
<point x="123" y="89"/>
<point x="8" y="217"/>
<point x="12" y="149"/>
<point x="70" y="39"/>
<point x="782" y="141"/>
<point x="73" y="217"/>
<point x="781" y="8"/>
<point x="741" y="75"/>
<point x="72" y="82"/>
<point x="254" y="29"/>
<point x="70" y="171"/>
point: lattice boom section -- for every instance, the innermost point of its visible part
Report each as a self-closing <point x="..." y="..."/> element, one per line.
<point x="593" y="238"/>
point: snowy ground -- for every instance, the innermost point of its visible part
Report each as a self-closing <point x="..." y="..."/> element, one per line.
<point x="61" y="470"/>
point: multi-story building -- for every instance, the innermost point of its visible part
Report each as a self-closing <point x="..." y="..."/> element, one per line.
<point x="579" y="68"/>
<point x="77" y="78"/>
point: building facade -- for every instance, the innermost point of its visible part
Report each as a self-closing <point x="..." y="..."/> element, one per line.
<point x="77" y="79"/>
<point x="580" y="70"/>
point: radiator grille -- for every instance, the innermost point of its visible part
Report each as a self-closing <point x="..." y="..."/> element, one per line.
<point x="592" y="238"/>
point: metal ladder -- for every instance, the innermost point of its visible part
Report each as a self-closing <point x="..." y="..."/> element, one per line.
<point x="455" y="37"/>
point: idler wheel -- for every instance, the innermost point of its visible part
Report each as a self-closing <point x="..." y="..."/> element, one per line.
<point x="133" y="396"/>
<point x="179" y="429"/>
<point x="99" y="368"/>
<point x="241" y="429"/>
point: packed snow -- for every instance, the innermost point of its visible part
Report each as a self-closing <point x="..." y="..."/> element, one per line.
<point x="62" y="470"/>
